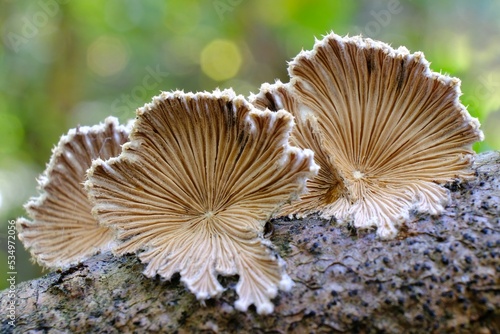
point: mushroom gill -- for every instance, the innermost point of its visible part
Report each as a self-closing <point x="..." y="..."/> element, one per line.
<point x="389" y="130"/>
<point x="63" y="231"/>
<point x="327" y="186"/>
<point x="192" y="191"/>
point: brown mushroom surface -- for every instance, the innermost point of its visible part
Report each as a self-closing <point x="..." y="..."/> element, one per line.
<point x="63" y="231"/>
<point x="192" y="190"/>
<point x="385" y="129"/>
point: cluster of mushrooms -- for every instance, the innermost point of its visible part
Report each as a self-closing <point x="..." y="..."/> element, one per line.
<point x="362" y="132"/>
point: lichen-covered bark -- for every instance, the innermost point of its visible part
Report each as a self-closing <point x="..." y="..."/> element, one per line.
<point x="441" y="275"/>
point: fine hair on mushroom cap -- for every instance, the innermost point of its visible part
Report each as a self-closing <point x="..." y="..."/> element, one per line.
<point x="391" y="128"/>
<point x="63" y="230"/>
<point x="192" y="190"/>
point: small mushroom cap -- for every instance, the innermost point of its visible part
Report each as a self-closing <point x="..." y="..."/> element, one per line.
<point x="192" y="190"/>
<point x="63" y="231"/>
<point x="327" y="186"/>
<point x="391" y="128"/>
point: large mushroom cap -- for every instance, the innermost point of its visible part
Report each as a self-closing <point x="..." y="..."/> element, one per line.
<point x="193" y="189"/>
<point x="388" y="128"/>
<point x="63" y="231"/>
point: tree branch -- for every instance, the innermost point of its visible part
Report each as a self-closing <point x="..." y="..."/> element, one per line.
<point x="441" y="275"/>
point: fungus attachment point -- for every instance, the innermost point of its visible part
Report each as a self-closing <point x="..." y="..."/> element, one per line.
<point x="358" y="175"/>
<point x="212" y="169"/>
<point x="63" y="231"/>
<point x="385" y="129"/>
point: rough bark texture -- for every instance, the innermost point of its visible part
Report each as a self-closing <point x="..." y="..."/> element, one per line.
<point x="441" y="275"/>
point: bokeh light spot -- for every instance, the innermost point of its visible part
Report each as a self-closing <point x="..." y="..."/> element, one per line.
<point x="107" y="56"/>
<point x="221" y="59"/>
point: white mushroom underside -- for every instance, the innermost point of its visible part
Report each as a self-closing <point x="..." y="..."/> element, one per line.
<point x="193" y="189"/>
<point x="63" y="231"/>
<point x="387" y="128"/>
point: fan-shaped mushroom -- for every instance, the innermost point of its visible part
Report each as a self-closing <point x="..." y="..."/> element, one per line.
<point x="192" y="190"/>
<point x="386" y="130"/>
<point x="63" y="231"/>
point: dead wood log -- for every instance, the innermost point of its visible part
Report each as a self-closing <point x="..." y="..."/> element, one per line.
<point x="441" y="275"/>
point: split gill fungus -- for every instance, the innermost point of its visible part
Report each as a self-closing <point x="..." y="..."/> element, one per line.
<point x="192" y="191"/>
<point x="62" y="231"/>
<point x="362" y="132"/>
<point x="387" y="132"/>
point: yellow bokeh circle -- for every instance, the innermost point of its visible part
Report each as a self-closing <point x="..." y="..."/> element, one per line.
<point x="221" y="59"/>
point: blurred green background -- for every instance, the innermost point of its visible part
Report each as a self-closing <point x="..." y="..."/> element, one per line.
<point x="65" y="63"/>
